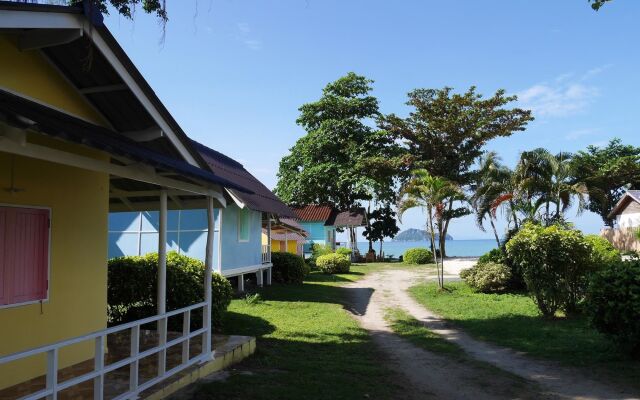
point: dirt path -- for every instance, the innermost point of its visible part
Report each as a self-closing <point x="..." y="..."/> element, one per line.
<point x="436" y="376"/>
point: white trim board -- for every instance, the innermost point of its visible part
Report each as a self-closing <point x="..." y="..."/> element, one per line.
<point x="17" y="19"/>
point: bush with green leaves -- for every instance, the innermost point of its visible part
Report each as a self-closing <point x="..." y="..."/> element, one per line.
<point x="613" y="304"/>
<point x="344" y="251"/>
<point x="288" y="268"/>
<point x="131" y="288"/>
<point x="318" y="250"/>
<point x="487" y="277"/>
<point x="493" y="255"/>
<point x="417" y="255"/>
<point x="555" y="262"/>
<point x="333" y="263"/>
<point x="603" y="253"/>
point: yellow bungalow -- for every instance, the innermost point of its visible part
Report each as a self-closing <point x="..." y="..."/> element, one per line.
<point x="82" y="133"/>
<point x="286" y="236"/>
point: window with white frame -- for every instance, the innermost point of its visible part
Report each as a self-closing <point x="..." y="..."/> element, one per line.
<point x="243" y="224"/>
<point x="24" y="254"/>
<point x="136" y="233"/>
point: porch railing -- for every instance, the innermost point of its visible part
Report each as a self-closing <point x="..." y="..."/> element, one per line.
<point x="53" y="386"/>
<point x="266" y="253"/>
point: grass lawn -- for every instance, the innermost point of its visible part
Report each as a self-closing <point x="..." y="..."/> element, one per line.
<point x="308" y="346"/>
<point x="406" y="326"/>
<point x="512" y="320"/>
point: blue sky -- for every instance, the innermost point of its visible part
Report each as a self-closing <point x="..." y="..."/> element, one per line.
<point x="233" y="73"/>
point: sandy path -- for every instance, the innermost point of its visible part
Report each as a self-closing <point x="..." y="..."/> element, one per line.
<point x="435" y="376"/>
<point x="431" y="376"/>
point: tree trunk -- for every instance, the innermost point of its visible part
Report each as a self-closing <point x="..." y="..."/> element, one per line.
<point x="442" y="239"/>
<point x="513" y="213"/>
<point x="381" y="256"/>
<point x="440" y="224"/>
<point x="495" y="231"/>
<point x="433" y="241"/>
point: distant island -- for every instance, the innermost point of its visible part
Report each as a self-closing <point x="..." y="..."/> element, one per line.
<point x="415" y="235"/>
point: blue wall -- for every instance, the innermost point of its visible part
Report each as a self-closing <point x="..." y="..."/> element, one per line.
<point x="236" y="254"/>
<point x="136" y="233"/>
<point x="317" y="234"/>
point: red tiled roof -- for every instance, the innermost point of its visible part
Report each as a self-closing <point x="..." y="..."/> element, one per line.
<point x="314" y="213"/>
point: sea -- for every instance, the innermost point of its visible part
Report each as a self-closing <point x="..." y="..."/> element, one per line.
<point x="455" y="248"/>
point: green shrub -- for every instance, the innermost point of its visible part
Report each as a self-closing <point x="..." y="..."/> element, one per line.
<point x="287" y="268"/>
<point x="555" y="264"/>
<point x="487" y="277"/>
<point x="343" y="251"/>
<point x="417" y="255"/>
<point x="494" y="256"/>
<point x="333" y="264"/>
<point x="603" y="253"/>
<point x="131" y="288"/>
<point x="613" y="303"/>
<point x="318" y="250"/>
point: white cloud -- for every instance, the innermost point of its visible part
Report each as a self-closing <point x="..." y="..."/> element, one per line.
<point x="595" y="71"/>
<point x="246" y="38"/>
<point x="244" y="27"/>
<point x="580" y="133"/>
<point x="568" y="94"/>
<point x="253" y="44"/>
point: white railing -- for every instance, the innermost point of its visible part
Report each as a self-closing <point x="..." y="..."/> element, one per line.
<point x="53" y="386"/>
<point x="266" y="253"/>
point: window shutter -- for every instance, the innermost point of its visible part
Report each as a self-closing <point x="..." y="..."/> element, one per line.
<point x="3" y="256"/>
<point x="25" y="255"/>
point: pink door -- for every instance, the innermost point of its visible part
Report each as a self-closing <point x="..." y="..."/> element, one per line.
<point x="24" y="254"/>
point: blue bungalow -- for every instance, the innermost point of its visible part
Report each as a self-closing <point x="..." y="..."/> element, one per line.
<point x="322" y="222"/>
<point x="238" y="228"/>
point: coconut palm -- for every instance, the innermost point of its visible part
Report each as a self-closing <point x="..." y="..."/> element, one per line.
<point x="493" y="180"/>
<point x="429" y="193"/>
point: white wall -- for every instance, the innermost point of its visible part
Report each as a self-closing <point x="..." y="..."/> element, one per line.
<point x="630" y="220"/>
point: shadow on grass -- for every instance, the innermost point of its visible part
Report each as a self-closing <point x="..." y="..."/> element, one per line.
<point x="306" y="349"/>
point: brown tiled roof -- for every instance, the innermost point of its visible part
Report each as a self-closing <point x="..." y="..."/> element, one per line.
<point x="355" y="217"/>
<point x="314" y="213"/>
<point x="261" y="198"/>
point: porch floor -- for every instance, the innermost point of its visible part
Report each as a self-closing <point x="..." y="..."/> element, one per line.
<point x="227" y="350"/>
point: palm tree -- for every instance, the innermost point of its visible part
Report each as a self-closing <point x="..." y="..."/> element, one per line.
<point x="429" y="193"/>
<point x="544" y="180"/>
<point x="492" y="181"/>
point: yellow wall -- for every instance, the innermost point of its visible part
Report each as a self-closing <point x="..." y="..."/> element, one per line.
<point x="78" y="200"/>
<point x="78" y="276"/>
<point x="29" y="74"/>
<point x="292" y="246"/>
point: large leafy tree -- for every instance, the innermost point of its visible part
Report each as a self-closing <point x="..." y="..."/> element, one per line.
<point x="606" y="172"/>
<point x="128" y="7"/>
<point x="446" y="132"/>
<point x="342" y="160"/>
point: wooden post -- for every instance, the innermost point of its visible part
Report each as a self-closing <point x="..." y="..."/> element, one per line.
<point x="206" y="348"/>
<point x="162" y="282"/>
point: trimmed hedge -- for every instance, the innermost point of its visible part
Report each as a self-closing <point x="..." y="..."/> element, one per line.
<point x="131" y="288"/>
<point x="487" y="277"/>
<point x="333" y="264"/>
<point x="613" y="303"/>
<point x="417" y="255"/>
<point x="343" y="251"/>
<point x="288" y="268"/>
